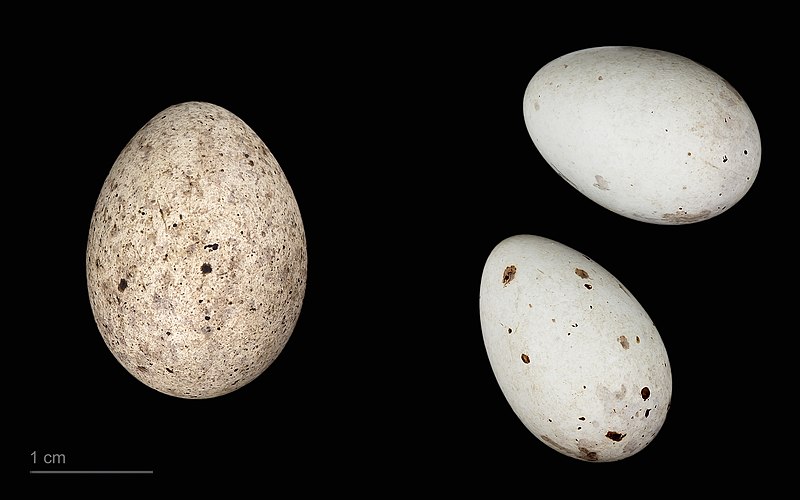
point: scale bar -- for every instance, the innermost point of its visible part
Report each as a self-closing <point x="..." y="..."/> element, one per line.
<point x="91" y="472"/>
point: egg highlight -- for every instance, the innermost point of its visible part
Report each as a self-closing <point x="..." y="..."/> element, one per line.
<point x="648" y="134"/>
<point x="196" y="258"/>
<point x="576" y="356"/>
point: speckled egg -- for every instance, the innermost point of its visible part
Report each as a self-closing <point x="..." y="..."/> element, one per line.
<point x="196" y="259"/>
<point x="576" y="356"/>
<point x="647" y="134"/>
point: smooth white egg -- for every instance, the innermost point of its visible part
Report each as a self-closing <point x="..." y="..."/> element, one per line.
<point x="647" y="134"/>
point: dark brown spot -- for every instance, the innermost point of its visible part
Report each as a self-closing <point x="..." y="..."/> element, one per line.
<point x="509" y="330"/>
<point x="647" y="412"/>
<point x="170" y="370"/>
<point x="213" y="246"/>
<point x="591" y="456"/>
<point x="588" y="286"/>
<point x="580" y="272"/>
<point x="123" y="284"/>
<point x="581" y="418"/>
<point x="508" y="274"/>
<point x="637" y="339"/>
<point x="205" y="268"/>
<point x="141" y="368"/>
<point x="615" y="436"/>
<point x="645" y="393"/>
<point x="525" y="358"/>
<point x="623" y="341"/>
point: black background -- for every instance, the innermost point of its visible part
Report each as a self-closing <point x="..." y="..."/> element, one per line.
<point x="404" y="141"/>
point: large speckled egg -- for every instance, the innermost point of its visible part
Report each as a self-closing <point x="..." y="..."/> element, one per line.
<point x="576" y="356"/>
<point x="196" y="259"/>
<point x="647" y="134"/>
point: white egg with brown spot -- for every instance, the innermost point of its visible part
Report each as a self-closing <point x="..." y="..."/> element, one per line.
<point x="648" y="134"/>
<point x="576" y="356"/>
<point x="196" y="258"/>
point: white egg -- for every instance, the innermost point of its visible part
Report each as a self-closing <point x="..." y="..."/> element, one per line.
<point x="576" y="356"/>
<point x="647" y="134"/>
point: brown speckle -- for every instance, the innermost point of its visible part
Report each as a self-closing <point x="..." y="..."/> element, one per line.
<point x="615" y="436"/>
<point x="585" y="454"/>
<point x="600" y="77"/>
<point x="684" y="217"/>
<point x="580" y="272"/>
<point x="588" y="286"/>
<point x="555" y="445"/>
<point x="637" y="339"/>
<point x="600" y="183"/>
<point x="623" y="341"/>
<point x="508" y="274"/>
<point x="509" y="330"/>
<point x="647" y="412"/>
<point x="123" y="284"/>
<point x="205" y="268"/>
<point x="645" y="393"/>
<point x="581" y="418"/>
<point x="525" y="358"/>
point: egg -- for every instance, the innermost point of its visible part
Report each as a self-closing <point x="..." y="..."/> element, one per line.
<point x="576" y="356"/>
<point x="196" y="259"/>
<point x="648" y="134"/>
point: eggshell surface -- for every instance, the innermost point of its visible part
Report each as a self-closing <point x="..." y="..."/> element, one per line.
<point x="645" y="133"/>
<point x="196" y="259"/>
<point x="576" y="356"/>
